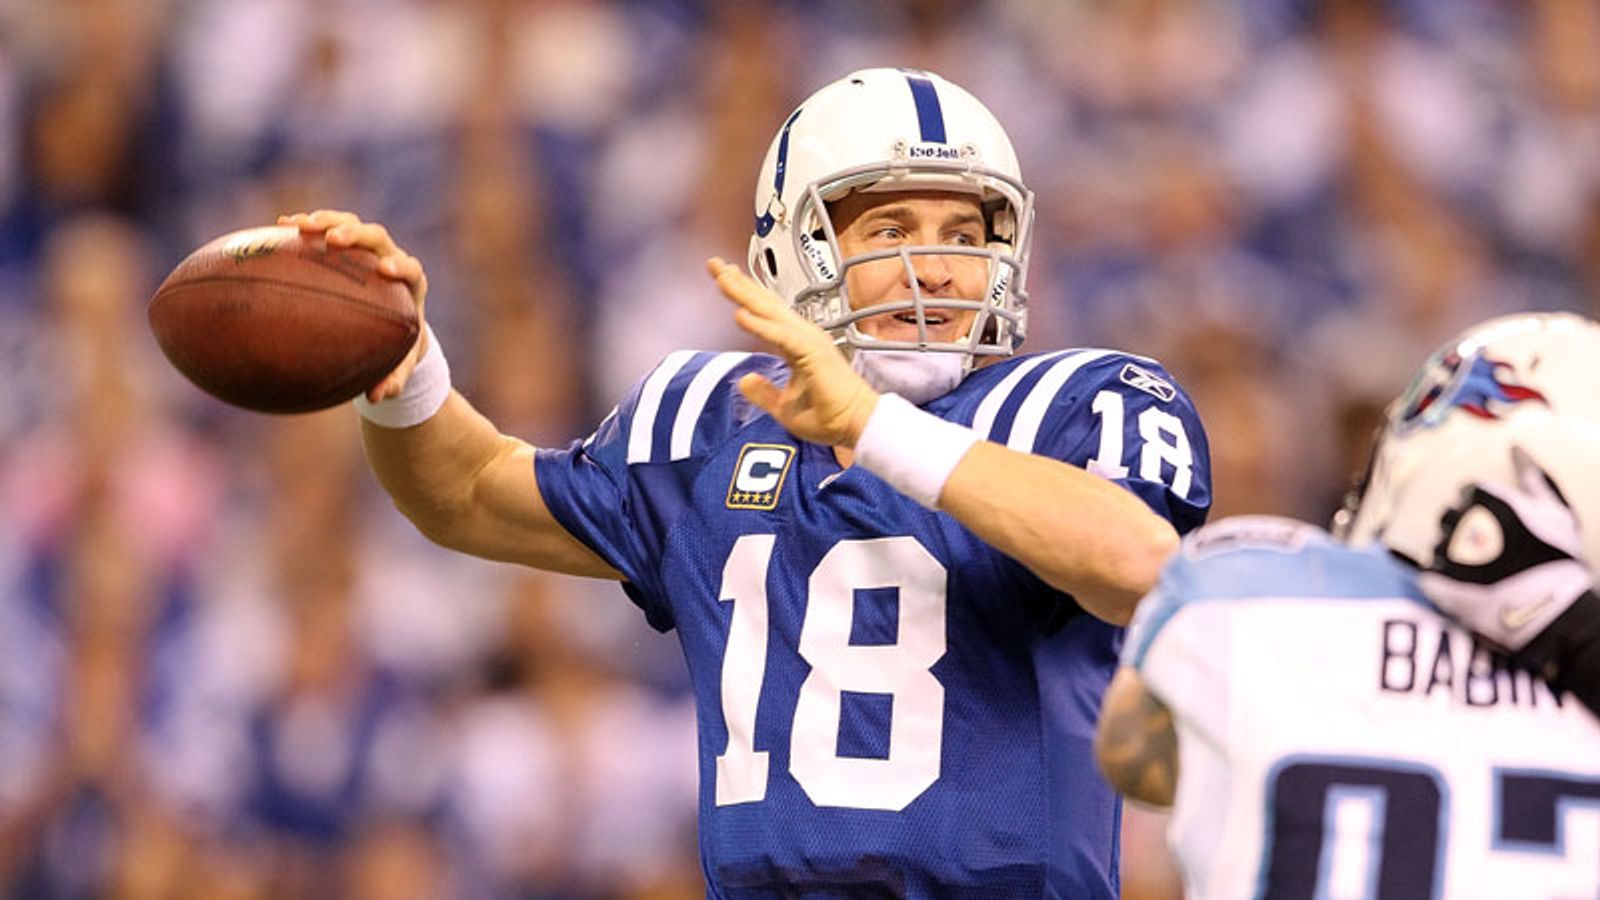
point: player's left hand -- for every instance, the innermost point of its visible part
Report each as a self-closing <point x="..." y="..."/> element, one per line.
<point x="1509" y="559"/>
<point x="824" y="401"/>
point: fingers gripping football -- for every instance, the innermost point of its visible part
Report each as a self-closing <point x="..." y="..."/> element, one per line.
<point x="824" y="401"/>
<point x="345" y="229"/>
<point x="1509" y="558"/>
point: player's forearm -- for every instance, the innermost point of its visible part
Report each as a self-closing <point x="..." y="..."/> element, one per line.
<point x="430" y="469"/>
<point x="1080" y="533"/>
<point x="468" y="487"/>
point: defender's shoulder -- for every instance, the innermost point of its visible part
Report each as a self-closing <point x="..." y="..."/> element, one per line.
<point x="1243" y="559"/>
<point x="1217" y="555"/>
<point x="1269" y="556"/>
<point x="1253" y="535"/>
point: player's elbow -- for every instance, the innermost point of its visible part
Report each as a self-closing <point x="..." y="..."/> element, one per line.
<point x="449" y="494"/>
<point x="451" y="518"/>
<point x="440" y="523"/>
<point x="1126" y="571"/>
<point x="1146" y="557"/>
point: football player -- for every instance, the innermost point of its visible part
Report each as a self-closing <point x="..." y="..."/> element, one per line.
<point x="896" y="554"/>
<point x="1319" y="728"/>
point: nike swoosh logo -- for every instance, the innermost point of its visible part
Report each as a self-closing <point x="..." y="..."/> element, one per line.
<point x="1517" y="617"/>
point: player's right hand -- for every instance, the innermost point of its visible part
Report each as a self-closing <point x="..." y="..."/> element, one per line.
<point x="825" y="401"/>
<point x="1509" y="559"/>
<point x="345" y="229"/>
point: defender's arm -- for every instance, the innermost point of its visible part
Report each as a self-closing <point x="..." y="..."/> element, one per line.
<point x="1135" y="743"/>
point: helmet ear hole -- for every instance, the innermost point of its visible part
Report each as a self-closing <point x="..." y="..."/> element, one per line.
<point x="771" y="259"/>
<point x="1000" y="221"/>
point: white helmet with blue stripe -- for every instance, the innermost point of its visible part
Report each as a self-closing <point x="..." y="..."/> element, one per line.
<point x="891" y="130"/>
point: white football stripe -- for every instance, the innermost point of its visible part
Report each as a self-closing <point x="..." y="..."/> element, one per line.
<point x="695" y="398"/>
<point x="640" y="442"/>
<point x="983" y="420"/>
<point x="1025" y="430"/>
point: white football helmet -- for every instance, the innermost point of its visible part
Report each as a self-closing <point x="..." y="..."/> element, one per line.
<point x="891" y="130"/>
<point x="1530" y="381"/>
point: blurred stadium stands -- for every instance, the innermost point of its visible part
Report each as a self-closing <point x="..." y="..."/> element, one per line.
<point x="228" y="669"/>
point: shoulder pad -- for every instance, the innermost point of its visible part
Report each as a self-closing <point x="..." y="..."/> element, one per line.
<point x="1045" y="380"/>
<point x="684" y="404"/>
<point x="1251" y="533"/>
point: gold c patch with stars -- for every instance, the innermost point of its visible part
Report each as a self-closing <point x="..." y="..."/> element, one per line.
<point x="758" y="477"/>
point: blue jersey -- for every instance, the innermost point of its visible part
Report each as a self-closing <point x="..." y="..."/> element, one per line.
<point x="1338" y="737"/>
<point x="887" y="706"/>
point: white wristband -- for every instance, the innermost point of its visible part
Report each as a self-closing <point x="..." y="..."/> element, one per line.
<point x="425" y="391"/>
<point x="914" y="451"/>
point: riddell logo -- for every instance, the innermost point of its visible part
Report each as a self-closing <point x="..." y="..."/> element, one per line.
<point x="1001" y="285"/>
<point x="934" y="151"/>
<point x="818" y="258"/>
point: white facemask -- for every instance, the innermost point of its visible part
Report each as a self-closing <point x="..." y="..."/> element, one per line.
<point x="917" y="375"/>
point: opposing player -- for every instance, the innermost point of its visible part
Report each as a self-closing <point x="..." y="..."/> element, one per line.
<point x="896" y="683"/>
<point x="1319" y="728"/>
<point x="1512" y="565"/>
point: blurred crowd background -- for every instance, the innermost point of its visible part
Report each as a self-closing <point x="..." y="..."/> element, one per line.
<point x="228" y="669"/>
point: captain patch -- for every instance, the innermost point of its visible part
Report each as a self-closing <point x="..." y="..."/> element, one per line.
<point x="758" y="476"/>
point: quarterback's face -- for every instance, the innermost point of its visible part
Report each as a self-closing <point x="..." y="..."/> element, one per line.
<point x="869" y="222"/>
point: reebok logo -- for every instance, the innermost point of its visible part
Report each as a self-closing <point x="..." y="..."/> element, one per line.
<point x="818" y="257"/>
<point x="1143" y="379"/>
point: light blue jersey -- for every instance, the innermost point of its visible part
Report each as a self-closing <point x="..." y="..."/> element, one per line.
<point x="888" y="707"/>
<point x="1339" y="738"/>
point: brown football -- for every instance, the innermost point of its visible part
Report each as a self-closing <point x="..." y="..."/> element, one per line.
<point x="274" y="321"/>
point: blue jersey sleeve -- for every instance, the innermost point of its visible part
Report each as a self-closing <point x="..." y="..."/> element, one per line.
<point x="1124" y="418"/>
<point x="621" y="490"/>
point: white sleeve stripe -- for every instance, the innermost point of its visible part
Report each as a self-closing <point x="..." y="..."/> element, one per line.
<point x="1025" y="430"/>
<point x="588" y="441"/>
<point x="641" y="436"/>
<point x="695" y="398"/>
<point x="983" y="420"/>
